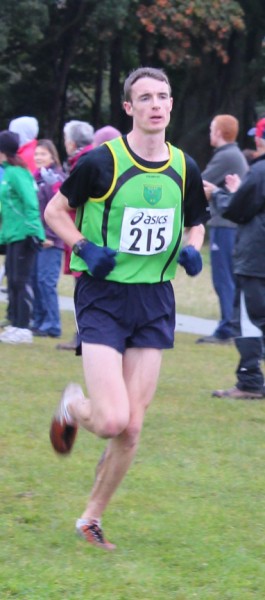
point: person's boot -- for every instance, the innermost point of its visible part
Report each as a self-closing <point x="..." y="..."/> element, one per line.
<point x="249" y="373"/>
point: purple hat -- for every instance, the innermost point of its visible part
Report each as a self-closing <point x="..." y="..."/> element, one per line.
<point x="9" y="142"/>
<point x="105" y="134"/>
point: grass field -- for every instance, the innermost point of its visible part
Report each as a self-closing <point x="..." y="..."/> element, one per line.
<point x="188" y="520"/>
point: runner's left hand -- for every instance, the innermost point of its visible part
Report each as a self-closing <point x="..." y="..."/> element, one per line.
<point x="191" y="260"/>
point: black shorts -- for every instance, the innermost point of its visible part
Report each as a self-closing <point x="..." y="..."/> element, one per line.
<point x="122" y="315"/>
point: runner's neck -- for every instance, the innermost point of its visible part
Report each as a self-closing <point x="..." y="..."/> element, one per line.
<point x="149" y="147"/>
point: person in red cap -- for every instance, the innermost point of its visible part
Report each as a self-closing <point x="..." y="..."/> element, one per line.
<point x="258" y="130"/>
<point x="245" y="205"/>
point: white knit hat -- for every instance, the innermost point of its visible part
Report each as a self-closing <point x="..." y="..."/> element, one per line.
<point x="26" y="127"/>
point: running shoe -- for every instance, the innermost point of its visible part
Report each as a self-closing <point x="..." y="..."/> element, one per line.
<point x="16" y="335"/>
<point x="63" y="430"/>
<point x="91" y="531"/>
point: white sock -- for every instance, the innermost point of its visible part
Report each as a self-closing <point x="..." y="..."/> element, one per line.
<point x="66" y="415"/>
<point x="81" y="522"/>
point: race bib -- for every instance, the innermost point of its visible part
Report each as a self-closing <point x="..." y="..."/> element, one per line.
<point x="146" y="231"/>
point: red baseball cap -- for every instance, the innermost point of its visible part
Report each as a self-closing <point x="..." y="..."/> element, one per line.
<point x="259" y="130"/>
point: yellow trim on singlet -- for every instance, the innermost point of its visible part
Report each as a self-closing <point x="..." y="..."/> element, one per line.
<point x="114" y="180"/>
<point x="146" y="169"/>
<point x="184" y="166"/>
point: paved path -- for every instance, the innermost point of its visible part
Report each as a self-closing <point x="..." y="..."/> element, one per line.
<point x="184" y="323"/>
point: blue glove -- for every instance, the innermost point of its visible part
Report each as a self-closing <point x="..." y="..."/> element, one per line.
<point x="100" y="260"/>
<point x="191" y="260"/>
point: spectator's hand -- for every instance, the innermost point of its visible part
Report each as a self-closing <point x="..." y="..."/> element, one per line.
<point x="232" y="182"/>
<point x="47" y="244"/>
<point x="100" y="260"/>
<point x="191" y="260"/>
<point x="209" y="188"/>
<point x="49" y="176"/>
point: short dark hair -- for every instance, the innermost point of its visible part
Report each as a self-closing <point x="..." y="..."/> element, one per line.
<point x="139" y="73"/>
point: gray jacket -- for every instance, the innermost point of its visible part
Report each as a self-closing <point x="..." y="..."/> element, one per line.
<point x="226" y="160"/>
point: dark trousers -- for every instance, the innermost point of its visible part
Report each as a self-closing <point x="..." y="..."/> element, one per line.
<point x="19" y="260"/>
<point x="222" y="240"/>
<point x="250" y="331"/>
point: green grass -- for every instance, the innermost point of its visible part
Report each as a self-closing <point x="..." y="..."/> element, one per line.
<point x="188" y="520"/>
<point x="195" y="295"/>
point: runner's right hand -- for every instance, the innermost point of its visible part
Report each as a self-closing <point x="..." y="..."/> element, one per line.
<point x="100" y="260"/>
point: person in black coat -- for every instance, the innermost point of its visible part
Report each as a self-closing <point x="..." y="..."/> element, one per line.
<point x="245" y="205"/>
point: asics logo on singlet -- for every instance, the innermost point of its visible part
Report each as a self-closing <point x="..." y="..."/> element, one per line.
<point x="149" y="220"/>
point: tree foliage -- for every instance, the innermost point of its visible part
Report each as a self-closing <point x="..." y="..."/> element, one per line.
<point x="189" y="29"/>
<point x="63" y="59"/>
<point x="21" y="29"/>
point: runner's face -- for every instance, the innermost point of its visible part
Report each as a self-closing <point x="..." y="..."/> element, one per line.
<point x="150" y="105"/>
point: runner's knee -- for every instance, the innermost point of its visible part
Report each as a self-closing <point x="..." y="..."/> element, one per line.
<point x="111" y="425"/>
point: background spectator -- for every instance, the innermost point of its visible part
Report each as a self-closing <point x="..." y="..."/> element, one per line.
<point x="105" y="134"/>
<point x="21" y="231"/>
<point x="227" y="158"/>
<point x="46" y="314"/>
<point x="246" y="206"/>
<point x="27" y="129"/>
<point x="78" y="138"/>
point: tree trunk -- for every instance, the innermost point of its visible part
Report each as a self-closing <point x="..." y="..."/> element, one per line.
<point x="63" y="55"/>
<point x="116" y="115"/>
<point x="96" y="111"/>
<point x="214" y="88"/>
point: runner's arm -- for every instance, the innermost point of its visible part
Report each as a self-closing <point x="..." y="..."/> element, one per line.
<point x="194" y="236"/>
<point x="59" y="220"/>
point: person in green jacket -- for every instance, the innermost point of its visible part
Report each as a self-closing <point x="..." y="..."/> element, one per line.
<point x="22" y="232"/>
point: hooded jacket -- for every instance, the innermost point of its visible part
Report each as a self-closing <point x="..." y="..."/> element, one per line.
<point x="27" y="129"/>
<point x="20" y="214"/>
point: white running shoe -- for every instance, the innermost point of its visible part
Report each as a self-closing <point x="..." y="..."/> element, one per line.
<point x="7" y="332"/>
<point x="16" y="335"/>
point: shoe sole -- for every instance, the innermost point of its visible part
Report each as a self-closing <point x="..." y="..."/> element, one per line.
<point x="217" y="342"/>
<point x="14" y="342"/>
<point x="65" y="347"/>
<point x="239" y="396"/>
<point x="62" y="436"/>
